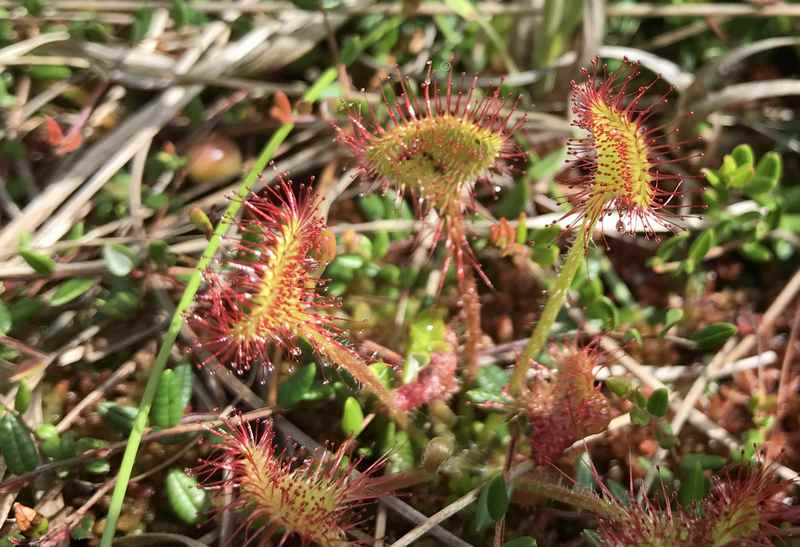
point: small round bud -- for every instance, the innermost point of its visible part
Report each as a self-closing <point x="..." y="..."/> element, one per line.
<point x="214" y="159"/>
<point x="437" y="451"/>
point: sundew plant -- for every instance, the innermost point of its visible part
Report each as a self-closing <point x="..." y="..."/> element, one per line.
<point x="401" y="273"/>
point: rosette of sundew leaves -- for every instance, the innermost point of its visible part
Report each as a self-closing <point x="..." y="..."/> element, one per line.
<point x="436" y="146"/>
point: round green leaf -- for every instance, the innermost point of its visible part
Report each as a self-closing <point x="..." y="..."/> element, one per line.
<point x="372" y="207"/>
<point x="70" y="290"/>
<point x="186" y="499"/>
<point x="619" y="386"/>
<point x="674" y="316"/>
<point x="119" y="259"/>
<point x="658" y="402"/>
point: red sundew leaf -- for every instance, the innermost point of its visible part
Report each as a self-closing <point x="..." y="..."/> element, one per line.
<point x="567" y="408"/>
<point x="62" y="144"/>
<point x="71" y="142"/>
<point x="169" y="148"/>
<point x="435" y="382"/>
<point x="282" y="110"/>
<point x="53" y="134"/>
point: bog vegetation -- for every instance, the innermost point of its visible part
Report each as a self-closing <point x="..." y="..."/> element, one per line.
<point x="372" y="273"/>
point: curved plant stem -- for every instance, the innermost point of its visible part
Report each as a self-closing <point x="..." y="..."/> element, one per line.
<point x="470" y="302"/>
<point x="555" y="300"/>
<point x="140" y="423"/>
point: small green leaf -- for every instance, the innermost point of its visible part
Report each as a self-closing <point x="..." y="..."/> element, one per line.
<point x="497" y="497"/>
<point x="17" y="446"/>
<point x="758" y="185"/>
<point x="172" y="395"/>
<point x="97" y="466"/>
<point x="712" y="177"/>
<point x="117" y="417"/>
<point x="70" y="289"/>
<point x="483" y="519"/>
<point x="186" y="498"/>
<point x="713" y="336"/>
<point x="372" y="207"/>
<point x="770" y="166"/>
<point x="51" y="445"/>
<point x="743" y="155"/>
<point x="352" y="417"/>
<point x="295" y="387"/>
<point x="41" y="264"/>
<point x="514" y="200"/>
<point x="756" y="252"/>
<point x="380" y="244"/>
<point x="633" y="335"/>
<point x="658" y="403"/>
<point x="525" y="541"/>
<point x="120" y="260"/>
<point x="706" y="461"/>
<point x="693" y="486"/>
<point x="699" y="249"/>
<point x="664" y="436"/>
<point x="5" y="319"/>
<point x="399" y="449"/>
<point x="673" y="317"/>
<point x="741" y="176"/>
<point x="183" y="371"/>
<point x="584" y="472"/>
<point x="603" y="308"/>
<point x="618" y="386"/>
<point x="84" y="528"/>
<point x="549" y="165"/>
<point x="23" y="397"/>
<point x="639" y="416"/>
<point x="728" y="166"/>
<point x="200" y="219"/>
